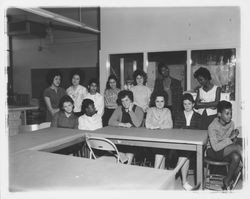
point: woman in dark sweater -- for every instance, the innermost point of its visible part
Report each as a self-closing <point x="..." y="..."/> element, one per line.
<point x="186" y="119"/>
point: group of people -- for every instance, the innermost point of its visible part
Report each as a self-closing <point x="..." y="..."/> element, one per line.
<point x="163" y="107"/>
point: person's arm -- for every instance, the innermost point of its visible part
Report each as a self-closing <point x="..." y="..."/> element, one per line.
<point x="212" y="104"/>
<point x="216" y="144"/>
<point x="49" y="106"/>
<point x="100" y="105"/>
<point x="54" y="122"/>
<point x="137" y="116"/>
<point x="177" y="122"/>
<point x="149" y="123"/>
<point x="114" y="120"/>
<point x="76" y="123"/>
<point x="167" y="122"/>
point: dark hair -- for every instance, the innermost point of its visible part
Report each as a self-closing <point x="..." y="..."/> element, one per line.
<point x="114" y="78"/>
<point x="64" y="99"/>
<point x="93" y="80"/>
<point x="188" y="96"/>
<point x="156" y="94"/>
<point x="222" y="105"/>
<point x="203" y="72"/>
<point x="76" y="72"/>
<point x="52" y="74"/>
<point x="141" y="73"/>
<point x="122" y="94"/>
<point x="85" y="104"/>
<point x="160" y="66"/>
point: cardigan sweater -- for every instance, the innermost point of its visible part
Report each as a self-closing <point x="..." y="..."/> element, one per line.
<point x="136" y="116"/>
<point x="181" y="123"/>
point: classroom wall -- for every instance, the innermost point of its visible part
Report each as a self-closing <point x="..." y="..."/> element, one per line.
<point x="59" y="49"/>
<point x="61" y="54"/>
<point x="152" y="29"/>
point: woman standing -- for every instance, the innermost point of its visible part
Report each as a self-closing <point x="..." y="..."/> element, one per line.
<point x="110" y="98"/>
<point x="140" y="91"/>
<point x="208" y="97"/>
<point x="76" y="91"/>
<point x="53" y="94"/>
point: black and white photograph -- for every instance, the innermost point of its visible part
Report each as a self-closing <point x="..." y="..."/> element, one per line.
<point x="124" y="99"/>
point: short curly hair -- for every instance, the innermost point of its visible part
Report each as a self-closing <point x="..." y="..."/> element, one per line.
<point x="64" y="99"/>
<point x="222" y="105"/>
<point x="76" y="72"/>
<point x="141" y="73"/>
<point x="161" y="65"/>
<point x="156" y="94"/>
<point x="85" y="104"/>
<point x="202" y="72"/>
<point x="52" y="74"/>
<point x="122" y="94"/>
<point x="188" y="96"/>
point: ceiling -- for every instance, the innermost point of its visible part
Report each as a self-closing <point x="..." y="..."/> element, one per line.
<point x="88" y="16"/>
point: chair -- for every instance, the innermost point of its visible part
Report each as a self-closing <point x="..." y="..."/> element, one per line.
<point x="108" y="150"/>
<point x="214" y="181"/>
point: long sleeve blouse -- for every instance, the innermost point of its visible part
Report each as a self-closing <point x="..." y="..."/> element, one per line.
<point x="219" y="135"/>
<point x="158" y="119"/>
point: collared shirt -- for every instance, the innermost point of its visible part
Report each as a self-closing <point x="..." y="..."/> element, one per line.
<point x="77" y="95"/>
<point x="188" y="116"/>
<point x="89" y="123"/>
<point x="60" y="120"/>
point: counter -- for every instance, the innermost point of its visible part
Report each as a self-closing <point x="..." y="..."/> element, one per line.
<point x="14" y="117"/>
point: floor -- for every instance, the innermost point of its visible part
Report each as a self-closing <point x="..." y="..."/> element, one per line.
<point x="178" y="183"/>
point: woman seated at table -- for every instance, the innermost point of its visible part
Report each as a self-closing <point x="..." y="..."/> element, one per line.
<point x="159" y="117"/>
<point x="65" y="118"/>
<point x="90" y="120"/>
<point x="127" y="115"/>
<point x="186" y="119"/>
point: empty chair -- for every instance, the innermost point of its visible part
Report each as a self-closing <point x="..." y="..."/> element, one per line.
<point x="104" y="149"/>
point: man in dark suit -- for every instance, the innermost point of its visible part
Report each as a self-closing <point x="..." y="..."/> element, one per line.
<point x="170" y="85"/>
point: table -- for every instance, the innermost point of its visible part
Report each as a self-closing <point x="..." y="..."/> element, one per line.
<point x="32" y="168"/>
<point x="22" y="109"/>
<point x="180" y="139"/>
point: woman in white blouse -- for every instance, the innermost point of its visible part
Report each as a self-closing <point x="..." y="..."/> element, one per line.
<point x="140" y="91"/>
<point x="76" y="91"/>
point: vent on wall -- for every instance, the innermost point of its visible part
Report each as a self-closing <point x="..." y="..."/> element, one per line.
<point x="26" y="28"/>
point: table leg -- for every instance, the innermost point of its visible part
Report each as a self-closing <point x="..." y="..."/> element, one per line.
<point x="24" y="117"/>
<point x="199" y="165"/>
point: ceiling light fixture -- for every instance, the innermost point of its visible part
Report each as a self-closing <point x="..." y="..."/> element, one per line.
<point x="59" y="18"/>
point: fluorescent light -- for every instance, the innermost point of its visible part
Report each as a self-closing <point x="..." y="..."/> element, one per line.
<point x="40" y="12"/>
<point x="59" y="18"/>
